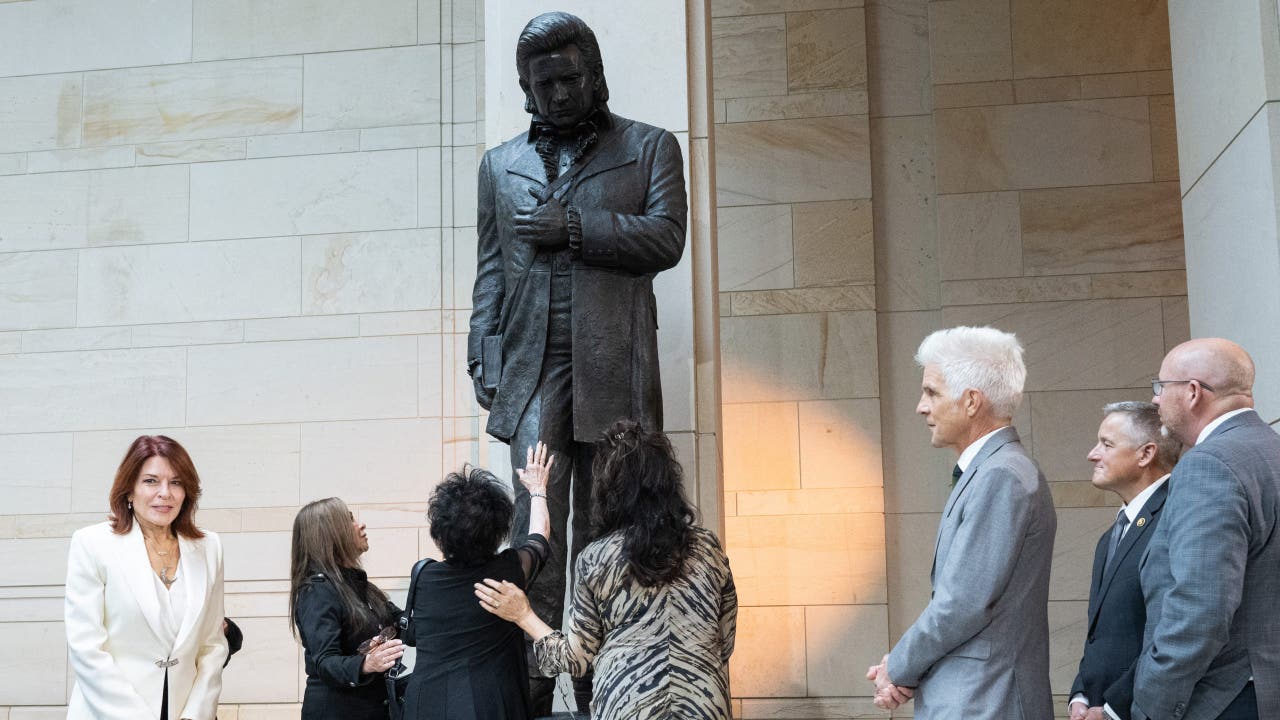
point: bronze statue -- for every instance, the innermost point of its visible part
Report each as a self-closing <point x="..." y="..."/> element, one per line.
<point x="576" y="216"/>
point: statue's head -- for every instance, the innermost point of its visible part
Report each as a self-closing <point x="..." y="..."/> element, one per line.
<point x="560" y="69"/>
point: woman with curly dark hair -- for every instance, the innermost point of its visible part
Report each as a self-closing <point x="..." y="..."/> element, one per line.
<point x="654" y="608"/>
<point x="469" y="663"/>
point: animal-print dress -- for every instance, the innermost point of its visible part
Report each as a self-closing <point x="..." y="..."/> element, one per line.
<point x="658" y="652"/>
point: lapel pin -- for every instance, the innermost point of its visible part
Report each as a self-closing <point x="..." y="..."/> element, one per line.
<point x="1142" y="521"/>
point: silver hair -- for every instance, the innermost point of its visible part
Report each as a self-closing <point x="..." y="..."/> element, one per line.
<point x="1145" y="427"/>
<point x="978" y="358"/>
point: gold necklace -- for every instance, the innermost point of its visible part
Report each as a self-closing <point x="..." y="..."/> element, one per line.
<point x="164" y="567"/>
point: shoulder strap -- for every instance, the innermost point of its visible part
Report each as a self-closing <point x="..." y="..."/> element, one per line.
<point x="413" y="590"/>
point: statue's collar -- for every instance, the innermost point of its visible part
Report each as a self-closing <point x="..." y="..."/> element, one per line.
<point x="599" y="119"/>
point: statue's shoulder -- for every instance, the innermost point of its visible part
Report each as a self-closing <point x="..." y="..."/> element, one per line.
<point x="509" y="149"/>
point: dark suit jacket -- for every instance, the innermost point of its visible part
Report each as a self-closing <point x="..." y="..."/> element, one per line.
<point x="1211" y="576"/>
<point x="631" y="198"/>
<point x="1117" y="614"/>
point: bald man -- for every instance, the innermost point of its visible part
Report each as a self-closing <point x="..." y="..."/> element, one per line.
<point x="1211" y="575"/>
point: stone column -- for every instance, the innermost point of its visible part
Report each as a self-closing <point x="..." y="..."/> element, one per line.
<point x="1226" y="76"/>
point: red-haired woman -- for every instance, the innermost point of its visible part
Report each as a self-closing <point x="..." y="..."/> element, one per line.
<point x="144" y="597"/>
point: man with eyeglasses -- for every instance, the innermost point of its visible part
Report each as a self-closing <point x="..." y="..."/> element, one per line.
<point x="1211" y="575"/>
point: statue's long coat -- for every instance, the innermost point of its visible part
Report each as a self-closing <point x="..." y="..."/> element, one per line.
<point x="631" y="198"/>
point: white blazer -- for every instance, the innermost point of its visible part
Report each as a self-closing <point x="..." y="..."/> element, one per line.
<point x="113" y="629"/>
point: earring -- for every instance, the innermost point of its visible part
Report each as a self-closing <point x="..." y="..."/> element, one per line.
<point x="130" y="506"/>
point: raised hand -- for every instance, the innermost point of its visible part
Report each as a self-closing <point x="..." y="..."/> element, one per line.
<point x="544" y="225"/>
<point x="536" y="470"/>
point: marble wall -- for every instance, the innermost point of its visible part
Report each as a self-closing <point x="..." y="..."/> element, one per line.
<point x="249" y="225"/>
<point x="887" y="168"/>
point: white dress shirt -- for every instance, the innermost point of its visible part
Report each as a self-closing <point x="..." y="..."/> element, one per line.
<point x="1218" y="421"/>
<point x="971" y="452"/>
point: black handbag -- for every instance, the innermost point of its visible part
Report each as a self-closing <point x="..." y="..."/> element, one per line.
<point x="397" y="678"/>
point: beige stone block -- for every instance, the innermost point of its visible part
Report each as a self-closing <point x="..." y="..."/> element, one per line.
<point x="814" y="501"/>
<point x="35" y="473"/>
<point x="366" y="88"/>
<point x="268" y="519"/>
<point x="13" y="164"/>
<point x="769" y="655"/>
<point x="1079" y="494"/>
<point x="302" y="328"/>
<point x="1074" y="547"/>
<point x="191" y="151"/>
<point x="807" y="160"/>
<point x="1086" y="142"/>
<point x="432" y="189"/>
<point x="898" y="57"/>
<point x="1102" y="229"/>
<point x="749" y="56"/>
<point x="197" y="333"/>
<point x="1177" y="322"/>
<point x="39" y="112"/>
<point x="257" y="604"/>
<point x="232" y="462"/>
<point x="61" y="525"/>
<point x="818" y="559"/>
<point x="996" y="92"/>
<point x="1164" y="138"/>
<point x="139" y="205"/>
<point x="761" y="446"/>
<point x="10" y="343"/>
<point x="429" y="21"/>
<point x="466" y="163"/>
<point x="305" y="143"/>
<point x="1055" y="89"/>
<point x="804" y="300"/>
<point x="1071" y="419"/>
<point x="37" y="290"/>
<point x="436" y="372"/>
<point x="59" y="392"/>
<point x="1015" y="290"/>
<point x="840" y="444"/>
<point x="412" y="515"/>
<point x="376" y="461"/>
<point x="1089" y="344"/>
<point x="833" y="243"/>
<point x="193" y="101"/>
<point x="43" y="212"/>
<point x="406" y="136"/>
<point x="34" y="712"/>
<point x="1055" y="38"/>
<point x="1068" y="627"/>
<point x="244" y="28"/>
<point x="754" y="247"/>
<point x="304" y="195"/>
<point x="392" y="553"/>
<point x="1151" y="82"/>
<point x="905" y="219"/>
<point x="38" y="674"/>
<point x="79" y="159"/>
<point x="826" y="49"/>
<point x="90" y="36"/>
<point x="793" y="106"/>
<point x="427" y="547"/>
<point x="809" y="707"/>
<point x="221" y="521"/>
<point x="1144" y="284"/>
<point x="910" y="540"/>
<point x="255" y="556"/>
<point x="34" y="341"/>
<point x="841" y="642"/>
<point x="979" y="236"/>
<point x="269" y="712"/>
<point x="311" y="380"/>
<point x="417" y="322"/>
<point x="31" y="610"/>
<point x="246" y="678"/>
<point x="915" y="475"/>
<point x="720" y="8"/>
<point x="41" y="561"/>
<point x="969" y="41"/>
<point x="371" y="272"/>
<point x="797" y="357"/>
<point x="189" y="282"/>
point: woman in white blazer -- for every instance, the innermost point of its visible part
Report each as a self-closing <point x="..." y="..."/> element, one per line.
<point x="144" y="597"/>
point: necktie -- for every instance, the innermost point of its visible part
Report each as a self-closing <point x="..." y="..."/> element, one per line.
<point x="956" y="472"/>
<point x="1117" y="531"/>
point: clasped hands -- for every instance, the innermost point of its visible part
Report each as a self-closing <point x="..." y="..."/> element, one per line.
<point x="544" y="224"/>
<point x="888" y="695"/>
<point x="1081" y="711"/>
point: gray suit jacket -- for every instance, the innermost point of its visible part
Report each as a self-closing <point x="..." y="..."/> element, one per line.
<point x="1211" y="577"/>
<point x="981" y="647"/>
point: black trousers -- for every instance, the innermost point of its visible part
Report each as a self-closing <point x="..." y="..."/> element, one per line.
<point x="1244" y="707"/>
<point x="164" y="701"/>
<point x="549" y="417"/>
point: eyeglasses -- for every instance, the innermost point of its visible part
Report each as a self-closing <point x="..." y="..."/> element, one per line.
<point x="1157" y="386"/>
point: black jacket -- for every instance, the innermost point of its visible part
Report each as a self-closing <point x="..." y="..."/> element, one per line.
<point x="1117" y="615"/>
<point x="336" y="689"/>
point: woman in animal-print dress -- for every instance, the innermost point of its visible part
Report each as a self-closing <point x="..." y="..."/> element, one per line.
<point x="654" y="608"/>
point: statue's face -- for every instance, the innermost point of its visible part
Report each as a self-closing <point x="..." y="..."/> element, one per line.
<point x="562" y="86"/>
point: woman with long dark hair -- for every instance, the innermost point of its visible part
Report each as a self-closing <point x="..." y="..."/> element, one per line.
<point x="654" y="608"/>
<point x="144" y="596"/>
<point x="339" y="616"/>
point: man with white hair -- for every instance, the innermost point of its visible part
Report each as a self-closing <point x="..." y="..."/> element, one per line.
<point x="1211" y="575"/>
<point x="981" y="647"/>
